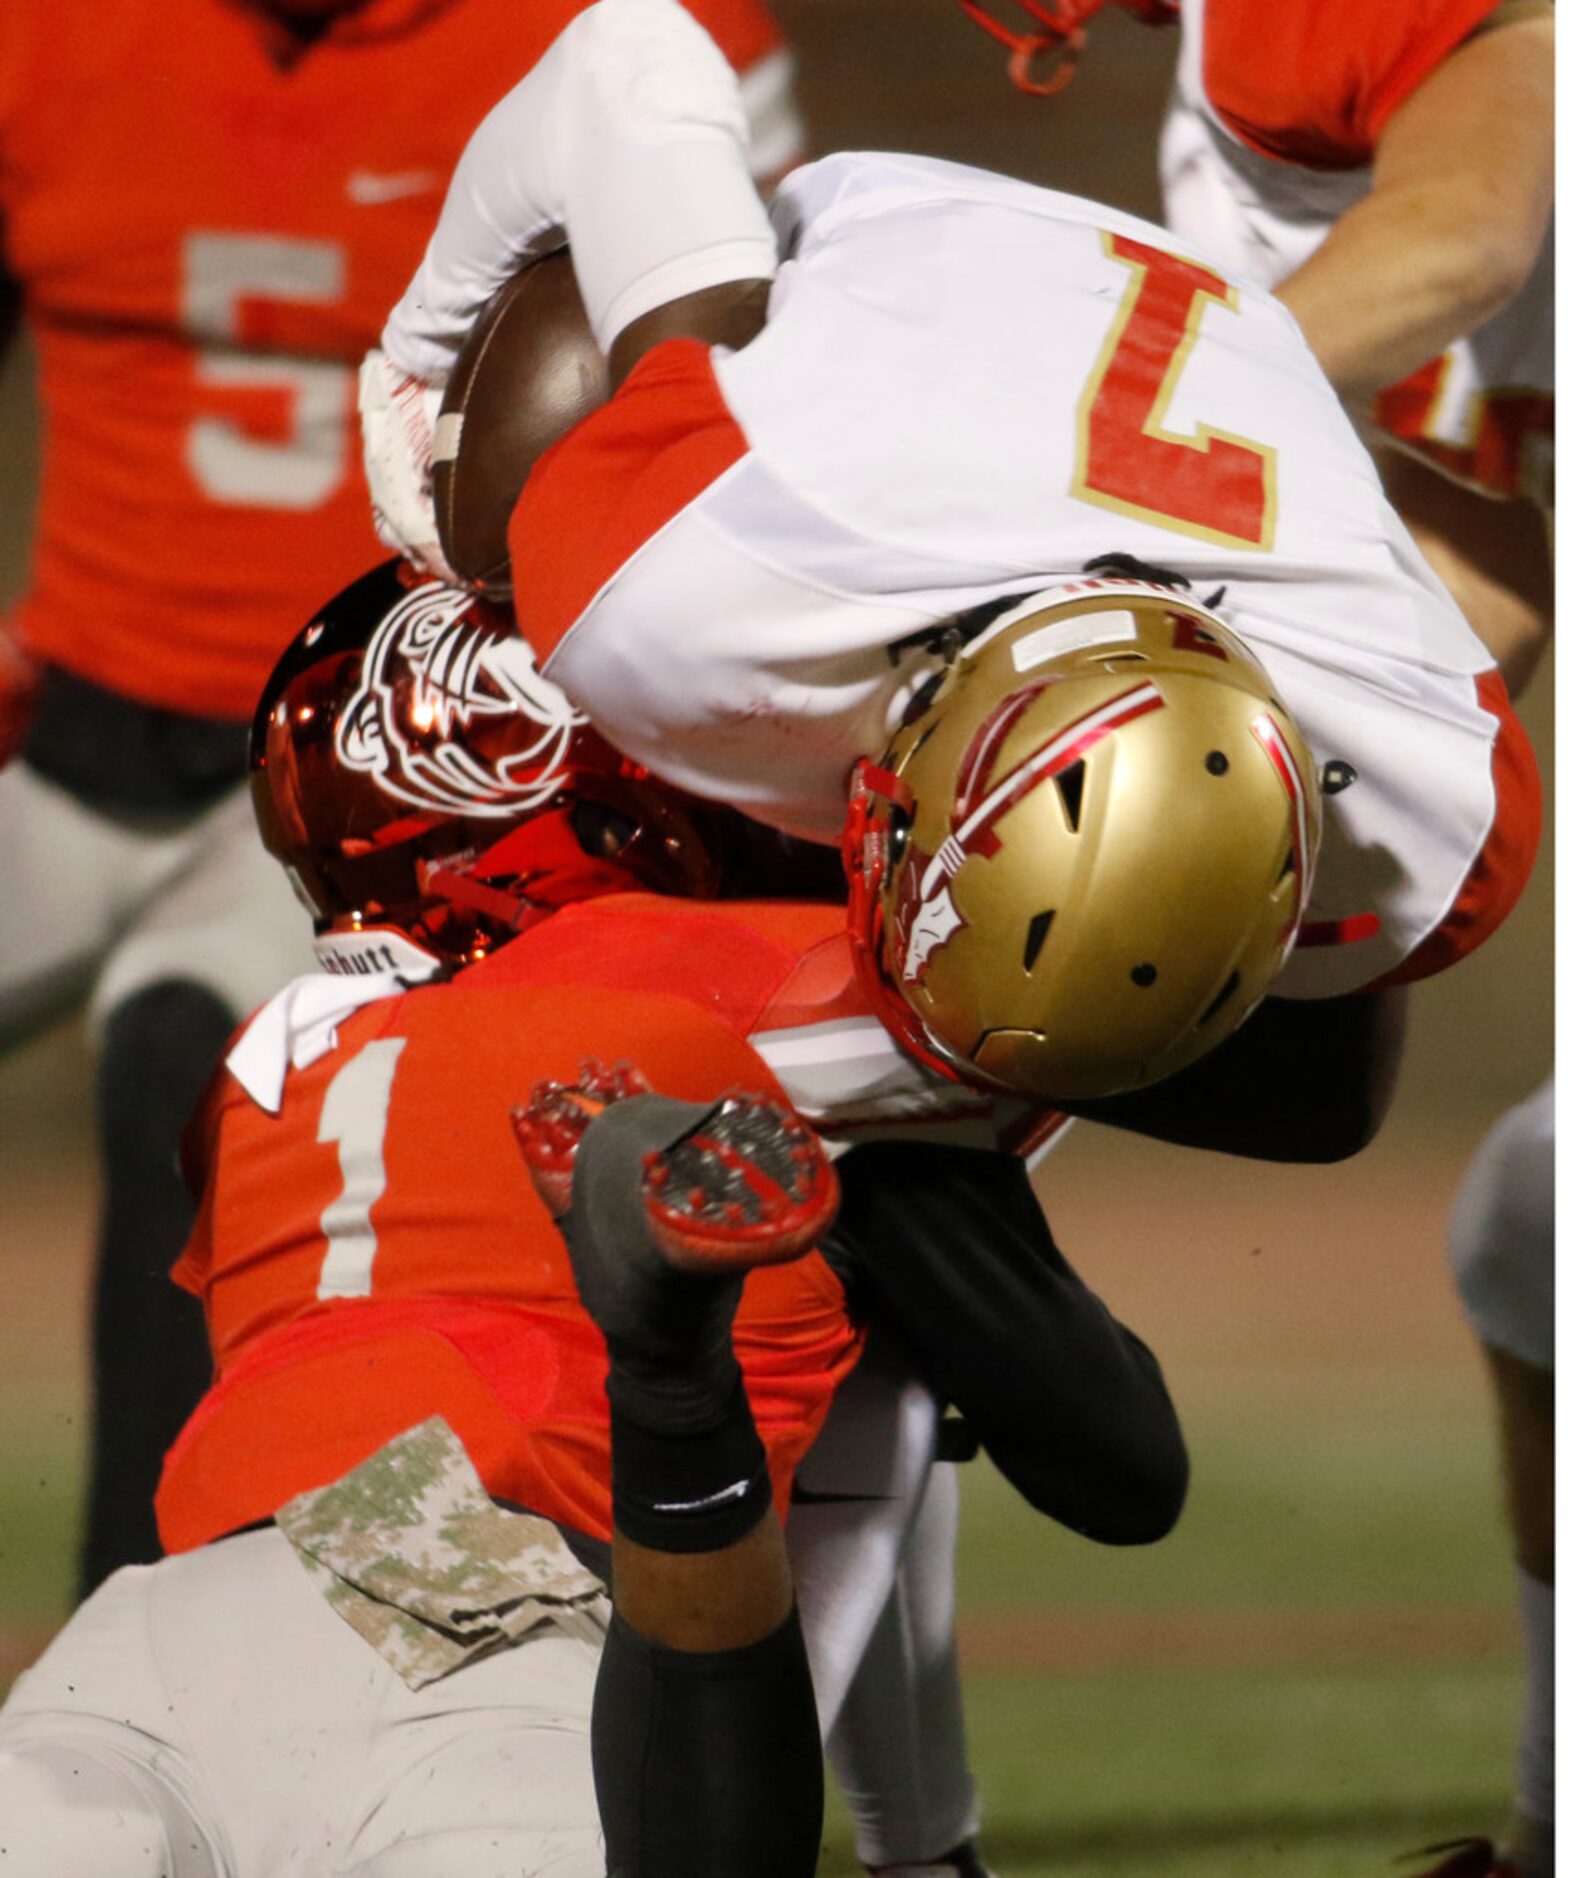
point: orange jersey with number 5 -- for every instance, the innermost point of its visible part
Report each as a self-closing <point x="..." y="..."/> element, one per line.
<point x="208" y="239"/>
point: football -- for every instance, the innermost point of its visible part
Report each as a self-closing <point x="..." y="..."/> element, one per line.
<point x="530" y="369"/>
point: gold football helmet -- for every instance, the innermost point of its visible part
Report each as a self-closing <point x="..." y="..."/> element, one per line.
<point x="1086" y="852"/>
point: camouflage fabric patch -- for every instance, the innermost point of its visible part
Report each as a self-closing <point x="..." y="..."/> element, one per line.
<point x="411" y="1552"/>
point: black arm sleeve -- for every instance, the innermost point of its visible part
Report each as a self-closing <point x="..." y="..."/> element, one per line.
<point x="1304" y="1081"/>
<point x="948" y="1249"/>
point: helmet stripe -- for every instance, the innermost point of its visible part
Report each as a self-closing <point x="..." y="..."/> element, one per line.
<point x="1268" y="733"/>
<point x="1068" y="746"/>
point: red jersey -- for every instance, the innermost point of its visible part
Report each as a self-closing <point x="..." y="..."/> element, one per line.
<point x="373" y="1253"/>
<point x="208" y="239"/>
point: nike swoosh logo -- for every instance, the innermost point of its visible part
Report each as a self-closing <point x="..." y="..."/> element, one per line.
<point x="367" y="186"/>
<point x="724" y="1498"/>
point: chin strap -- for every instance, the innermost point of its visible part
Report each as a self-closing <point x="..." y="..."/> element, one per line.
<point x="874" y="793"/>
<point x="514" y="911"/>
<point x="1060" y="38"/>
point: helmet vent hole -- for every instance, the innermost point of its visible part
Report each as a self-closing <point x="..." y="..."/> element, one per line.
<point x="1071" y="787"/>
<point x="1216" y="763"/>
<point x="1287" y="866"/>
<point x="1036" y="937"/>
<point x="1144" y="975"/>
<point x="900" y="822"/>
<point x="1226" y="992"/>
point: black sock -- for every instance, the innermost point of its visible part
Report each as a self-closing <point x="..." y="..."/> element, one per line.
<point x="707" y="1764"/>
<point x="689" y="1467"/>
<point x="669" y="1333"/>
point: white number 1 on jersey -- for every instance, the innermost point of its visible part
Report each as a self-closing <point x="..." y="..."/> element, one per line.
<point x="354" y="1113"/>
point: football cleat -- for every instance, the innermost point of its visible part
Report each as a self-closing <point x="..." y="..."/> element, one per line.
<point x="549" y="1128"/>
<point x="748" y="1183"/>
<point x="1463" y="1858"/>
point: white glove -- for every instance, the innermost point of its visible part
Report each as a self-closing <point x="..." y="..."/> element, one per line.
<point x="398" y="416"/>
<point x="629" y="134"/>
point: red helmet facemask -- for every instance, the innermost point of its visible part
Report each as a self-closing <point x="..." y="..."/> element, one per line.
<point x="880" y="810"/>
<point x="1043" y="61"/>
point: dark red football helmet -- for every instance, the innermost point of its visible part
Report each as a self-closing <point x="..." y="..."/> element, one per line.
<point x="418" y="776"/>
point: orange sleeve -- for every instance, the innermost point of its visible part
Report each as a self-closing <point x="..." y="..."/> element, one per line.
<point x="194" y="1261"/>
<point x="594" y="499"/>
<point x="1315" y="84"/>
<point x="196" y="1156"/>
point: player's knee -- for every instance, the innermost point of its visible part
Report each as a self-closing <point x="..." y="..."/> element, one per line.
<point x="68" y="1812"/>
<point x="159" y="1048"/>
<point x="1501" y="1236"/>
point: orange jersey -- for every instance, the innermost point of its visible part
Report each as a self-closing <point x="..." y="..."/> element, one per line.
<point x="208" y="240"/>
<point x="374" y="1254"/>
<point x="1315" y="84"/>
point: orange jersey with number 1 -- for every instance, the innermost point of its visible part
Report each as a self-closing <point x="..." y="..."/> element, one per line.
<point x="373" y="1253"/>
<point x="208" y="241"/>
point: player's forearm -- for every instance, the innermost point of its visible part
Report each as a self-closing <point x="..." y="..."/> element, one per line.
<point x="1397" y="280"/>
<point x="1300" y="1082"/>
<point x="630" y="135"/>
<point x="946" y="1251"/>
<point x="1461" y="197"/>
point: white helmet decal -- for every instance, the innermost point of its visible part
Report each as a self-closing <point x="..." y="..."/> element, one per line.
<point x="459" y="671"/>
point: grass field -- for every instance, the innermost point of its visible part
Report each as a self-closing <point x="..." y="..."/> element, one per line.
<point x="1317" y="1670"/>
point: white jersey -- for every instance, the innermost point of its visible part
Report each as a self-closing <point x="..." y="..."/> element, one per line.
<point x="1483" y="411"/>
<point x="967" y="391"/>
<point x="968" y="388"/>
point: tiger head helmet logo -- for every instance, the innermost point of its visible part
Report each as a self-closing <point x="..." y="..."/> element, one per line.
<point x="453" y="716"/>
